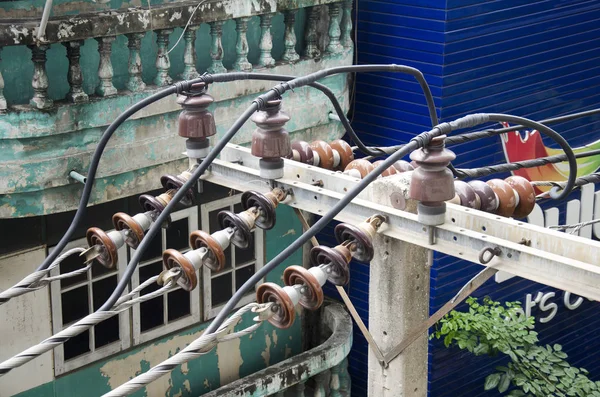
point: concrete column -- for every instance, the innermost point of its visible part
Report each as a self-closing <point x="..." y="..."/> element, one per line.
<point x="398" y="301"/>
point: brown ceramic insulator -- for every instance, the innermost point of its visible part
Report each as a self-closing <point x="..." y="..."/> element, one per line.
<point x="215" y="258"/>
<point x="325" y="153"/>
<point x="175" y="259"/>
<point x="282" y="304"/>
<point x="506" y="197"/>
<point x="337" y="260"/>
<point x="526" y="194"/>
<point x="468" y="197"/>
<point x="361" y="165"/>
<point x="486" y="195"/>
<point x="270" y="140"/>
<point x="345" y="152"/>
<point x="242" y="235"/>
<point x="403" y="166"/>
<point x="195" y="121"/>
<point x="135" y="234"/>
<point x="302" y="152"/>
<point x="388" y="172"/>
<point x="432" y="182"/>
<point x="108" y="250"/>
<point x="312" y="296"/>
<point x="171" y="182"/>
<point x="363" y="245"/>
<point x="266" y="205"/>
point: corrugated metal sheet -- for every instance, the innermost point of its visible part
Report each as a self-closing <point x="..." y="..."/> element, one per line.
<point x="535" y="59"/>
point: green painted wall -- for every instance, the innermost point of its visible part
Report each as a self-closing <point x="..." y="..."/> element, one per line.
<point x="201" y="375"/>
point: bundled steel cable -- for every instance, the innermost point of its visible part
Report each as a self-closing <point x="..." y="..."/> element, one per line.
<point x="517" y="165"/>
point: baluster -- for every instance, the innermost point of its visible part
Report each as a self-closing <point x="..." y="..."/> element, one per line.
<point x="105" y="70"/>
<point x="216" y="48"/>
<point x="135" y="82"/>
<point x="334" y="382"/>
<point x="266" y="41"/>
<point x="189" y="53"/>
<point x="334" y="46"/>
<point x="312" y="49"/>
<point x="163" y="64"/>
<point x="74" y="75"/>
<point x="3" y="105"/>
<point x="346" y="27"/>
<point x="290" y="54"/>
<point x="345" y="380"/>
<point x="320" y="385"/>
<point x="241" y="48"/>
<point x="299" y="389"/>
<point x="39" y="82"/>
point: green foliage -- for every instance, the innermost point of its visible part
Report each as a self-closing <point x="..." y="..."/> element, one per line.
<point x="540" y="371"/>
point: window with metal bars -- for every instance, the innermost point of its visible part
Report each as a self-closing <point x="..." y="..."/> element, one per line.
<point x="175" y="309"/>
<point x="240" y="264"/>
<point x="76" y="297"/>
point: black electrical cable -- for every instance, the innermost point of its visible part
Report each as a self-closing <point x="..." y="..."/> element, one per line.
<point x="471" y="136"/>
<point x="258" y="104"/>
<point x="517" y="165"/>
<point x="419" y="141"/>
<point x="556" y="137"/>
<point x="179" y="87"/>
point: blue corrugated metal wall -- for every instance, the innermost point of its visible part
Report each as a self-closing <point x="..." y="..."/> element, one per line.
<point x="535" y="59"/>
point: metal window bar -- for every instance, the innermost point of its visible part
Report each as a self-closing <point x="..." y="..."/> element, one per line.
<point x="62" y="366"/>
<point x="139" y="336"/>
<point x="211" y="311"/>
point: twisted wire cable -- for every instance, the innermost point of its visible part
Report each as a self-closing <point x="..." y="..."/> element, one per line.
<point x="204" y="344"/>
<point x="124" y="303"/>
<point x="575" y="227"/>
<point x="41" y="278"/>
<point x="517" y="165"/>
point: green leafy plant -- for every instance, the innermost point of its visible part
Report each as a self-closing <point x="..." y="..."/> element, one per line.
<point x="490" y="328"/>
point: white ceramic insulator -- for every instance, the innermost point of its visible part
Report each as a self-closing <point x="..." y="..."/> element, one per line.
<point x="196" y="257"/>
<point x="295" y="155"/>
<point x="316" y="159"/>
<point x="117" y="237"/>
<point x="497" y="201"/>
<point x="293" y="293"/>
<point x="319" y="274"/>
<point x="354" y="173"/>
<point x="143" y="220"/>
<point x="336" y="158"/>
<point x="198" y="153"/>
<point x="223" y="237"/>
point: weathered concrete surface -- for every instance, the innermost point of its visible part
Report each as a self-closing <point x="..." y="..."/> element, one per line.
<point x="398" y="302"/>
<point x="25" y="321"/>
<point x="139" y="19"/>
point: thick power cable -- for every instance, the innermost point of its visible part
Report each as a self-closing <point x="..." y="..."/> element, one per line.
<point x="556" y="137"/>
<point x="203" y="345"/>
<point x="41" y="278"/>
<point x="420" y="140"/>
<point x="110" y="130"/>
<point x="258" y="103"/>
<point x="124" y="303"/>
<point x="517" y="165"/>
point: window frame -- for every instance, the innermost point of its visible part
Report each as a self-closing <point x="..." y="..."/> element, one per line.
<point x="60" y="365"/>
<point x="210" y="312"/>
<point x="195" y="315"/>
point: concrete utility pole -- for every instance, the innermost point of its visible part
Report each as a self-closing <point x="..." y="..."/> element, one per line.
<point x="398" y="301"/>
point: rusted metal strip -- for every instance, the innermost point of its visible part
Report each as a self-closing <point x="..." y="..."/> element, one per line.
<point x="475" y="283"/>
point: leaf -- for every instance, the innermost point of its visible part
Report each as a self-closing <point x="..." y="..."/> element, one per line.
<point x="504" y="383"/>
<point x="491" y="381"/>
